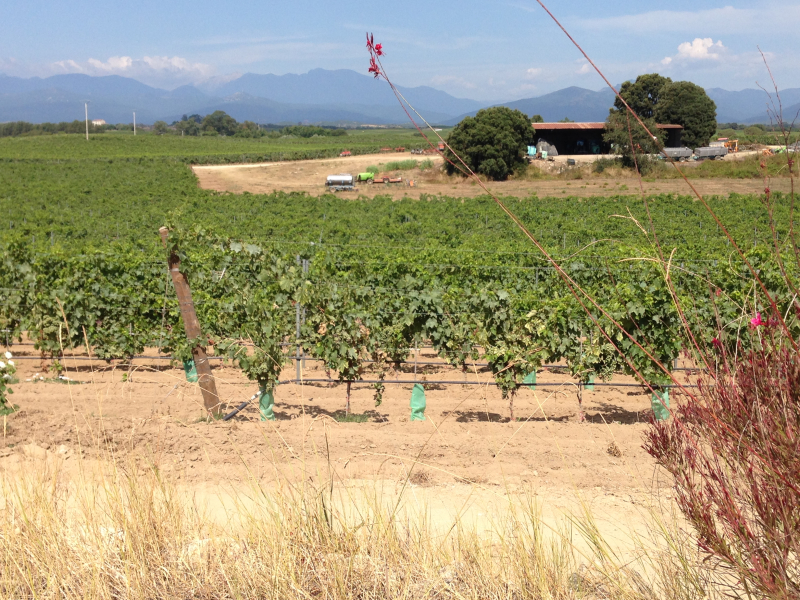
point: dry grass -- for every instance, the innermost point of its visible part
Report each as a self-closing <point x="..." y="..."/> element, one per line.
<point x="127" y="533"/>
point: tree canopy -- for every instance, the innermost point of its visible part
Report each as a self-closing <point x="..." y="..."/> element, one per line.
<point x="492" y="143"/>
<point x="687" y="104"/>
<point x="643" y="95"/>
<point x="220" y="122"/>
<point x="665" y="101"/>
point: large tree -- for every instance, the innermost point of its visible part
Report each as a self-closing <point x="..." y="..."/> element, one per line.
<point x="665" y="101"/>
<point x="221" y="122"/>
<point x="687" y="104"/>
<point x="643" y="95"/>
<point x="493" y="142"/>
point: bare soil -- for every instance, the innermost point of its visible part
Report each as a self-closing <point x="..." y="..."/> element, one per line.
<point x="309" y="176"/>
<point x="465" y="457"/>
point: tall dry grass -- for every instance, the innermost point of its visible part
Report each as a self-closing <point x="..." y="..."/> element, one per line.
<point x="128" y="533"/>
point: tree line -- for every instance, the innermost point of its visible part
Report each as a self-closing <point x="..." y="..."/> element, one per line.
<point x="216" y="123"/>
<point x="221" y="123"/>
<point x="494" y="142"/>
<point x="21" y="128"/>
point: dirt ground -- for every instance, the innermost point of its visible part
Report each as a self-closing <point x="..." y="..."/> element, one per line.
<point x="465" y="458"/>
<point x="309" y="176"/>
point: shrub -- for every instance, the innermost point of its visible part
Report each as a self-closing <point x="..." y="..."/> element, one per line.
<point x="373" y="169"/>
<point x="601" y="164"/>
<point x="401" y="165"/>
<point x="426" y="164"/>
<point x="733" y="451"/>
<point x="492" y="143"/>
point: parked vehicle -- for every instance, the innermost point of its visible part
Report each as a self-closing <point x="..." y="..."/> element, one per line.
<point x="712" y="152"/>
<point x="344" y="182"/>
<point x="367" y="177"/>
<point x="345" y="153"/>
<point x="679" y="154"/>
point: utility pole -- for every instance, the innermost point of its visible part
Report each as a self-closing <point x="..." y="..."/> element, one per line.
<point x="191" y="325"/>
<point x="134" y="122"/>
<point x="86" y="107"/>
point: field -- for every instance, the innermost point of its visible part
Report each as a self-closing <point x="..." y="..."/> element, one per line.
<point x="202" y="150"/>
<point x="431" y="284"/>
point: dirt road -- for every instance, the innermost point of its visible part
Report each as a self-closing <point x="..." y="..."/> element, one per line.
<point x="309" y="176"/>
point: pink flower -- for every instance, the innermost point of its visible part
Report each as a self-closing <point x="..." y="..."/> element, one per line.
<point x="373" y="67"/>
<point x="716" y="343"/>
<point x="375" y="50"/>
<point x="756" y="322"/>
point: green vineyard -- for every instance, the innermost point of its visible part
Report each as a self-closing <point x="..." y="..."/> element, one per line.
<point x="82" y="264"/>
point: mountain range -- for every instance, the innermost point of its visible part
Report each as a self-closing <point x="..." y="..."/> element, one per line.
<point x="319" y="96"/>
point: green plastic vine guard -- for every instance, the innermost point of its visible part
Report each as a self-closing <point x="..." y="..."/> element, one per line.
<point x="191" y="371"/>
<point x="588" y="385"/>
<point x="530" y="379"/>
<point x="418" y="403"/>
<point x="660" y="403"/>
<point x="265" y="404"/>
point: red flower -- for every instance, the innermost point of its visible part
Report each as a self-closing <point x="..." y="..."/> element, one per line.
<point x="756" y="322"/>
<point x="719" y="292"/>
<point x="716" y="343"/>
<point x="375" y="50"/>
<point x="373" y="67"/>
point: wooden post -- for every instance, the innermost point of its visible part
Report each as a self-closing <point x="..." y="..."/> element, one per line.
<point x="208" y="386"/>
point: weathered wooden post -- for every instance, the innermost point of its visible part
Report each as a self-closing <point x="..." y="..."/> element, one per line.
<point x="208" y="386"/>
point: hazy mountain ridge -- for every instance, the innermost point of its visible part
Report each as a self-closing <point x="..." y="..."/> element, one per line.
<point x="319" y="96"/>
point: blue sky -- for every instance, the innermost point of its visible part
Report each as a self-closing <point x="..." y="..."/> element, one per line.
<point x="491" y="51"/>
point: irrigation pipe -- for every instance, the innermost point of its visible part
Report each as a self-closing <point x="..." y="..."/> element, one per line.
<point x="236" y="410"/>
<point x="538" y="384"/>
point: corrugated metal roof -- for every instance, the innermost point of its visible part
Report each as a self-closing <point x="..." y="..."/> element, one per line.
<point x="553" y="126"/>
<point x="578" y="126"/>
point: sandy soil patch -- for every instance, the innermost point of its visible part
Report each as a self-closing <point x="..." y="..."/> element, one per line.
<point x="309" y="176"/>
<point x="465" y="460"/>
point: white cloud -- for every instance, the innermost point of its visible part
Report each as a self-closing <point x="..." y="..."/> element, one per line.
<point x="585" y="69"/>
<point x="725" y="19"/>
<point x="166" y="71"/>
<point x="701" y="49"/>
<point x="451" y="80"/>
<point x="533" y="73"/>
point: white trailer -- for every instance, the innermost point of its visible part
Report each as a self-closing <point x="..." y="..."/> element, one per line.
<point x="340" y="183"/>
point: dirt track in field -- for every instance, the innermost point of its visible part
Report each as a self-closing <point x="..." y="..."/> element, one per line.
<point x="309" y="176"/>
<point x="466" y="456"/>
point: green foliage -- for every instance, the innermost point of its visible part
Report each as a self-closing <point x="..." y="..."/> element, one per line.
<point x="307" y="131"/>
<point x="401" y="165"/>
<point x="220" y="122"/>
<point x="22" y="128"/>
<point x="80" y="241"/>
<point x="197" y="149"/>
<point x="426" y="165"/>
<point x="374" y="169"/>
<point x="658" y="99"/>
<point x="643" y="95"/>
<point x="160" y="127"/>
<point x="493" y="142"/>
<point x="687" y="104"/>
<point x="7" y="370"/>
<point x="621" y="128"/>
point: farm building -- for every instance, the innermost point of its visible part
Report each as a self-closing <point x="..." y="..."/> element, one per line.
<point x="98" y="122"/>
<point x="587" y="138"/>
